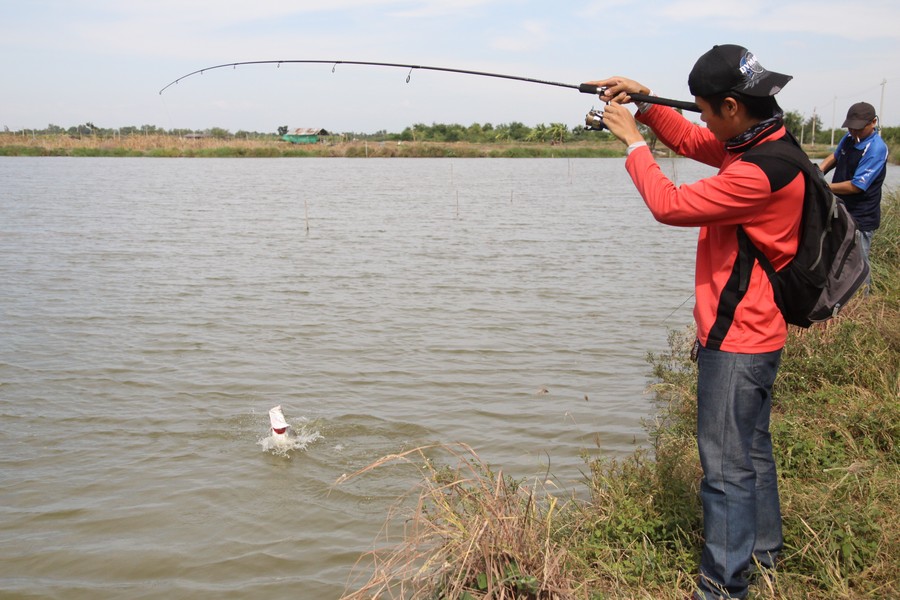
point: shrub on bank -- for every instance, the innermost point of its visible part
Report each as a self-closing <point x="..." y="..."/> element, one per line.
<point x="836" y="428"/>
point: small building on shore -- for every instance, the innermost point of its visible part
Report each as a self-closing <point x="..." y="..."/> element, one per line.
<point x="304" y="136"/>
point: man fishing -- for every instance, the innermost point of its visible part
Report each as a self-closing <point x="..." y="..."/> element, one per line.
<point x="740" y="330"/>
<point x="860" y="162"/>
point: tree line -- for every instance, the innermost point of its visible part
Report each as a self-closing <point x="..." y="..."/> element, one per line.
<point x="89" y="129"/>
<point x="808" y="130"/>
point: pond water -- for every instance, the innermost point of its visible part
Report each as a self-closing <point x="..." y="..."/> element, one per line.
<point x="154" y="310"/>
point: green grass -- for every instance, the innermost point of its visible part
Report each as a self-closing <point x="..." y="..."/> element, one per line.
<point x="161" y="146"/>
<point x="17" y="150"/>
<point x="474" y="534"/>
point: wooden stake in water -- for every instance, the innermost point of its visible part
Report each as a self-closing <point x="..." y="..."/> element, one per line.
<point x="306" y="210"/>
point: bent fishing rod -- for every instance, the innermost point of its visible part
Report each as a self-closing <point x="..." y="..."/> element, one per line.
<point x="594" y="118"/>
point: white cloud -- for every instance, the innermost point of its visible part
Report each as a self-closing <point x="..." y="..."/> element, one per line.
<point x="213" y="13"/>
<point x="439" y="8"/>
<point x="530" y="35"/>
<point x="599" y="9"/>
<point x="207" y="14"/>
<point x="878" y="18"/>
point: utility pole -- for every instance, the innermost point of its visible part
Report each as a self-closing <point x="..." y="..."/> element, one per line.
<point x="881" y="107"/>
<point x="813" y="138"/>
<point x="833" y="104"/>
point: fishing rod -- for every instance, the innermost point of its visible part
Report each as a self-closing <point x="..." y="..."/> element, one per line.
<point x="594" y="118"/>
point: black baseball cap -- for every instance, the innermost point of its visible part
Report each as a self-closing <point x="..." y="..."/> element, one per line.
<point x="732" y="68"/>
<point x="859" y="115"/>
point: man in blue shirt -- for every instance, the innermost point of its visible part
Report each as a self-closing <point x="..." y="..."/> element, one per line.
<point x="859" y="169"/>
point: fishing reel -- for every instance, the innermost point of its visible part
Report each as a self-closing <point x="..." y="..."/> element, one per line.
<point x="593" y="121"/>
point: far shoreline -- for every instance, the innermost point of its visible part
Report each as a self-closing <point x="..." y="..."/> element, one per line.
<point x="169" y="146"/>
<point x="165" y="146"/>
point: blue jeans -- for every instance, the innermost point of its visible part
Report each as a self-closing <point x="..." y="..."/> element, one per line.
<point x="739" y="491"/>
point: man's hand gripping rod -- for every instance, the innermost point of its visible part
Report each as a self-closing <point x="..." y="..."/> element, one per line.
<point x="594" y="118"/>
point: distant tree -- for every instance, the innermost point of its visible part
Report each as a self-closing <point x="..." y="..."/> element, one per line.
<point x="559" y="132"/>
<point x="454" y="133"/>
<point x="80" y="130"/>
<point x="539" y="133"/>
<point x="283" y="130"/>
<point x="219" y="133"/>
<point x="518" y="131"/>
<point x="793" y="121"/>
<point x="814" y="123"/>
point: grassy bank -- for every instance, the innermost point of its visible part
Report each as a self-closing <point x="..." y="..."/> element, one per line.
<point x="636" y="531"/>
<point x="174" y="146"/>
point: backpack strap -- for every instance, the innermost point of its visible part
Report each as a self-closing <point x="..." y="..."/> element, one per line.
<point x="748" y="248"/>
<point x="786" y="149"/>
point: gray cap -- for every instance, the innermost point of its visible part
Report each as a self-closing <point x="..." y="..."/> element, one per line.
<point x="859" y="115"/>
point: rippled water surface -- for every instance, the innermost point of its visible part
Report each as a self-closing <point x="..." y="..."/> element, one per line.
<point x="153" y="311"/>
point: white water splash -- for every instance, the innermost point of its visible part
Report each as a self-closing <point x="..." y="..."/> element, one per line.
<point x="298" y="437"/>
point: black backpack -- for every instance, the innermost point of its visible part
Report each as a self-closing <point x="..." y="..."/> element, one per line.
<point x="829" y="265"/>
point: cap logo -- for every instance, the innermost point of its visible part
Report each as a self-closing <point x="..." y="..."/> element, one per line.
<point x="749" y="66"/>
<point x="751" y="70"/>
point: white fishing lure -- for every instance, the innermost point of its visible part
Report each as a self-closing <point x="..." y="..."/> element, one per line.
<point x="279" y="425"/>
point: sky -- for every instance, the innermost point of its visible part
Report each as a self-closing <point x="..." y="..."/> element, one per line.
<point x="68" y="62"/>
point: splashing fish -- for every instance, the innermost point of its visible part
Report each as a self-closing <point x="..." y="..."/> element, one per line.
<point x="283" y="438"/>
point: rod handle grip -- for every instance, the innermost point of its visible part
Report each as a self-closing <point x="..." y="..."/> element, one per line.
<point x="682" y="104"/>
<point x="587" y="88"/>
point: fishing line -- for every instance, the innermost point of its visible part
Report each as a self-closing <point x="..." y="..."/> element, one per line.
<point x="678" y="308"/>
<point x="583" y="87"/>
